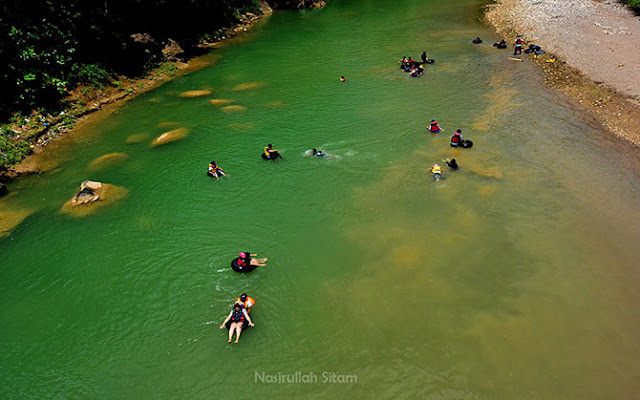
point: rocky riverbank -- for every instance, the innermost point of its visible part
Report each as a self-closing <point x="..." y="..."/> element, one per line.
<point x="596" y="47"/>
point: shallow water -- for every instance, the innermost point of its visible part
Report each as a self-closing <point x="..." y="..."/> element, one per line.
<point x="514" y="278"/>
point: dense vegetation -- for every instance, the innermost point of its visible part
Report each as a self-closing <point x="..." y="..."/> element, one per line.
<point x="634" y="4"/>
<point x="48" y="47"/>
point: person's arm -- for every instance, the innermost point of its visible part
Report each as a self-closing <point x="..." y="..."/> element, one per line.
<point x="252" y="255"/>
<point x="227" y="319"/>
<point x="246" y="315"/>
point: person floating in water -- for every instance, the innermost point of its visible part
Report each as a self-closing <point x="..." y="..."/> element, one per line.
<point x="456" y="139"/>
<point x="434" y="127"/>
<point x="245" y="301"/>
<point x="270" y="153"/>
<point x="451" y="163"/>
<point x="317" y="153"/>
<point x="518" y="44"/>
<point x="436" y="170"/>
<point x="477" y="40"/>
<point x="215" y="171"/>
<point x="501" y="45"/>
<point x="246" y="263"/>
<point x="423" y="57"/>
<point x="239" y="317"/>
<point x="343" y="79"/>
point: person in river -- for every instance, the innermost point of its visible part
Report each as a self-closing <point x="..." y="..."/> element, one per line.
<point x="343" y="79"/>
<point x="245" y="301"/>
<point x="317" y="153"/>
<point x="477" y="40"/>
<point x="518" y="44"/>
<point x="456" y="139"/>
<point x="246" y="263"/>
<point x="423" y="57"/>
<point x="215" y="171"/>
<point x="501" y="45"/>
<point x="451" y="163"/>
<point x="436" y="170"/>
<point x="270" y="153"/>
<point x="434" y="127"/>
<point x="238" y="317"/>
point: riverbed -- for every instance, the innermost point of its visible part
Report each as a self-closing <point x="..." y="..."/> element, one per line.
<point x="516" y="277"/>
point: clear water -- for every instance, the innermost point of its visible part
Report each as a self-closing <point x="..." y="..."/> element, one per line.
<point x="514" y="278"/>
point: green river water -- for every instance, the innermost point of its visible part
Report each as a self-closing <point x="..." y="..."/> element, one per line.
<point x="514" y="278"/>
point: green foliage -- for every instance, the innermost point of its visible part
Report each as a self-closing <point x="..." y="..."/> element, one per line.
<point x="92" y="74"/>
<point x="634" y="4"/>
<point x="12" y="150"/>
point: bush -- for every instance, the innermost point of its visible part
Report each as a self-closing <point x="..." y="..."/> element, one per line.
<point x="92" y="74"/>
<point x="12" y="150"/>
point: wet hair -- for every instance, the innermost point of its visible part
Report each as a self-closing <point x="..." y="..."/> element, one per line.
<point x="212" y="162"/>
<point x="314" y="150"/>
<point x="269" y="145"/>
<point x="459" y="131"/>
<point x="237" y="305"/>
<point x="433" y="120"/>
<point x="243" y="296"/>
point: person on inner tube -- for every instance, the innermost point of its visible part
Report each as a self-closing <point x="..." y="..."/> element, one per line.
<point x="215" y="171"/>
<point x="238" y="315"/>
<point x="434" y="127"/>
<point x="436" y="170"/>
<point x="456" y="139"/>
<point x="245" y="301"/>
<point x="246" y="258"/>
<point x="270" y="153"/>
<point x="343" y="79"/>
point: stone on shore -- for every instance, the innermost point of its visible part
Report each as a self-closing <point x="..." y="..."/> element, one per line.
<point x="195" y="93"/>
<point x="92" y="196"/>
<point x="234" y="108"/>
<point x="172" y="50"/>
<point x="249" y="86"/>
<point x="170" y="136"/>
<point x="107" y="160"/>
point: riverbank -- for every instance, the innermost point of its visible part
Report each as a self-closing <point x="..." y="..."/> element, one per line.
<point x="36" y="130"/>
<point x="596" y="47"/>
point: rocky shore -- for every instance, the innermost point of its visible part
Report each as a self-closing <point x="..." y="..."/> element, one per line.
<point x="596" y="47"/>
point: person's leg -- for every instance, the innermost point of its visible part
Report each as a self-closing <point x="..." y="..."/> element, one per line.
<point x="259" y="262"/>
<point x="238" y="331"/>
<point x="231" y="329"/>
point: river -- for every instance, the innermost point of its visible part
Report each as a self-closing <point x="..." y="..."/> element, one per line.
<point x="516" y="277"/>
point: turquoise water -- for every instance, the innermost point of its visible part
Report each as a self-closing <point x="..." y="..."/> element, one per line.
<point x="514" y="278"/>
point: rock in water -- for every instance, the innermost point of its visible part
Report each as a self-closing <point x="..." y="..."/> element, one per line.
<point x="195" y="93"/>
<point x="220" y="102"/>
<point x="234" y="108"/>
<point x="249" y="86"/>
<point x="107" y="160"/>
<point x="169" y="137"/>
<point x="90" y="191"/>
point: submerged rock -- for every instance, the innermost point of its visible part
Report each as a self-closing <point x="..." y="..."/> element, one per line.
<point x="11" y="215"/>
<point x="195" y="93"/>
<point x="137" y="138"/>
<point x="249" y="86"/>
<point x="170" y="136"/>
<point x="234" y="108"/>
<point x="107" y="160"/>
<point x="92" y="196"/>
<point x="220" y="102"/>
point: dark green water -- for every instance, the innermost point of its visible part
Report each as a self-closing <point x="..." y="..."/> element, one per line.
<point x="515" y="278"/>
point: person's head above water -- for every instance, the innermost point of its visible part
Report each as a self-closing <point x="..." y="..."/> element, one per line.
<point x="237" y="306"/>
<point x="243" y="296"/>
<point x="459" y="131"/>
<point x="314" y="150"/>
<point x="269" y="145"/>
<point x="242" y="255"/>
<point x="212" y="163"/>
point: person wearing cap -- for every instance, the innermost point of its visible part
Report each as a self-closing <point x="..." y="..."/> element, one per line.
<point x="246" y="263"/>
<point x="246" y="301"/>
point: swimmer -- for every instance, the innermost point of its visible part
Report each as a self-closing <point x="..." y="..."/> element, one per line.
<point x="317" y="153"/>
<point x="436" y="170"/>
<point x="215" y="171"/>
<point x="270" y="153"/>
<point x="237" y="316"/>
<point x="423" y="57"/>
<point x="477" y="40"/>
<point x="245" y="301"/>
<point x="451" y="163"/>
<point x="343" y="79"/>
<point x="501" y="45"/>
<point x="434" y="127"/>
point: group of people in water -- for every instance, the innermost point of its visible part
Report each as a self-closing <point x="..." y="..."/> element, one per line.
<point x="456" y="141"/>
<point x="518" y="46"/>
<point x="413" y="67"/>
